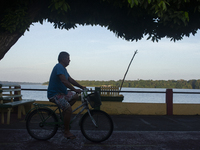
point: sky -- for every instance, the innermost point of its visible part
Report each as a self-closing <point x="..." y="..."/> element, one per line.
<point x="98" y="54"/>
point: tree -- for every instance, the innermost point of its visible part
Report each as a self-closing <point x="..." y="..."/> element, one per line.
<point x="128" y="19"/>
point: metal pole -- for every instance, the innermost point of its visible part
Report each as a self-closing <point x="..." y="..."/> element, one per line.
<point x="128" y="69"/>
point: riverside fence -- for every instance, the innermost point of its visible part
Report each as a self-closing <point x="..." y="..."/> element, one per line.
<point x="108" y="92"/>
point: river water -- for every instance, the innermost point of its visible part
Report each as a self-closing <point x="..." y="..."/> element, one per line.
<point x="128" y="97"/>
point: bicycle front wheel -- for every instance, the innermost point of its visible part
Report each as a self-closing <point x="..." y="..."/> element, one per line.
<point x="99" y="129"/>
<point x="41" y="124"/>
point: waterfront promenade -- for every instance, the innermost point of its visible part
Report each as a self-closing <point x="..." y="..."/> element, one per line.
<point x="140" y="132"/>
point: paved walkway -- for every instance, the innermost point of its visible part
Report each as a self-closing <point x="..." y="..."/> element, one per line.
<point x="130" y="132"/>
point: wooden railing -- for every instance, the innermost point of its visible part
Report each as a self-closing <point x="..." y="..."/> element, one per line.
<point x="10" y="92"/>
<point x="107" y="95"/>
<point x="109" y="91"/>
<point x="10" y="96"/>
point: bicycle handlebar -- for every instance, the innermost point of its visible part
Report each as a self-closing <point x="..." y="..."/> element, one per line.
<point x="84" y="94"/>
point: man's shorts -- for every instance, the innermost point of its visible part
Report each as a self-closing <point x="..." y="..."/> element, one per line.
<point x="63" y="100"/>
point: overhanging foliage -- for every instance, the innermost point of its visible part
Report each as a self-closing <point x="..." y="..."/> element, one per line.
<point x="128" y="19"/>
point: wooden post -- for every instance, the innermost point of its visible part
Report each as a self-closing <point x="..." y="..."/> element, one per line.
<point x="98" y="89"/>
<point x="10" y="87"/>
<point x="169" y="101"/>
<point x="8" y="115"/>
<point x="1" y="102"/>
<point x="17" y="93"/>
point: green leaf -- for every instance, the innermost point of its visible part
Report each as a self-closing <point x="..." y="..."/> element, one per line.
<point x="66" y="7"/>
<point x="149" y="37"/>
<point x="56" y="5"/>
<point x="131" y="2"/>
<point x="136" y="2"/>
<point x="187" y="16"/>
<point x="164" y="6"/>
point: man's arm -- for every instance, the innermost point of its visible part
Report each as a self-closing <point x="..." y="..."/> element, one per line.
<point x="67" y="83"/>
<point x="73" y="82"/>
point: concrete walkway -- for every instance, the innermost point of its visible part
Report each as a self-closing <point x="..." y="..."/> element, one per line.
<point x="130" y="132"/>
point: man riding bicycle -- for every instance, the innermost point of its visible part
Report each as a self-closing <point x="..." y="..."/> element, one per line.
<point x="57" y="92"/>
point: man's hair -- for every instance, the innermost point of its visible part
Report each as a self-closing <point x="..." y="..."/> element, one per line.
<point x="62" y="56"/>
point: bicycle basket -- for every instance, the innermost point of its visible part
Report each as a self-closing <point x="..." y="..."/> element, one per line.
<point x="94" y="99"/>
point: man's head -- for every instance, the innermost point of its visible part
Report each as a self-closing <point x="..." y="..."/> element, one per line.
<point x="63" y="58"/>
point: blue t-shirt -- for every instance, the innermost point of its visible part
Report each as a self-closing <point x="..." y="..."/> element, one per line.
<point x="55" y="84"/>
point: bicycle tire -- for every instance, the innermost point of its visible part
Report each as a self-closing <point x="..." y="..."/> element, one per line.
<point x="100" y="133"/>
<point x="42" y="130"/>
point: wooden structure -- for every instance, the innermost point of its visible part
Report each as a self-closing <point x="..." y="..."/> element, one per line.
<point x="10" y="96"/>
<point x="110" y="93"/>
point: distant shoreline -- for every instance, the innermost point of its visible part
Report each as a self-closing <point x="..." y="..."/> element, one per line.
<point x="180" y="84"/>
<point x="11" y="82"/>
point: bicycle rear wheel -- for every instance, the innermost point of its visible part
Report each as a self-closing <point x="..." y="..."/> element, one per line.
<point x="41" y="124"/>
<point x="98" y="133"/>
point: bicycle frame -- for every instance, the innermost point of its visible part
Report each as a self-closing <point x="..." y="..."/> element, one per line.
<point x="84" y="106"/>
<point x="46" y="106"/>
<point x="43" y="121"/>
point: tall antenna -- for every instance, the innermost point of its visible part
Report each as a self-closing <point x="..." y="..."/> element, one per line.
<point x="128" y="69"/>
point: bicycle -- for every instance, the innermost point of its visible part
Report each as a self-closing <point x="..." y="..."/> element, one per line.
<point x="96" y="125"/>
